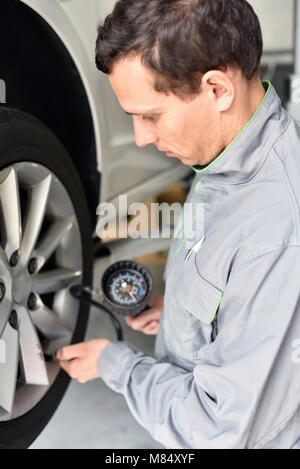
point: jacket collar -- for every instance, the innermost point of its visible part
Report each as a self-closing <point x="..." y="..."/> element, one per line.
<point x="247" y="152"/>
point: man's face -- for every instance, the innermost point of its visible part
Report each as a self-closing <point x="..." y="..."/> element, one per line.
<point x="187" y="130"/>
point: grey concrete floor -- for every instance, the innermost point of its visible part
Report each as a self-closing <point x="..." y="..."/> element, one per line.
<point x="91" y="416"/>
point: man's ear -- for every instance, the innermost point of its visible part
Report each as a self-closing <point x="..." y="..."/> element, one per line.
<point x="220" y="88"/>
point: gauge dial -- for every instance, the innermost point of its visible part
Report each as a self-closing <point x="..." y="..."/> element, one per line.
<point x="126" y="287"/>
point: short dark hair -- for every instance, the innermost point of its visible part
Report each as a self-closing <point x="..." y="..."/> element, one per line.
<point x="181" y="40"/>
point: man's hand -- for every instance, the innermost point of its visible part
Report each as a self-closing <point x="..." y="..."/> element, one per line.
<point x="148" y="321"/>
<point x="80" y="360"/>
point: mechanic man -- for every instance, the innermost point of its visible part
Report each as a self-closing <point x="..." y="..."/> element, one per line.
<point x="224" y="375"/>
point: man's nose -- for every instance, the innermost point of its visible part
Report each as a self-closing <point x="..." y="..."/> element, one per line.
<point x="143" y="133"/>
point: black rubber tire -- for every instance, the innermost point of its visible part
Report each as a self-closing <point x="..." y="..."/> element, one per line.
<point x="21" y="136"/>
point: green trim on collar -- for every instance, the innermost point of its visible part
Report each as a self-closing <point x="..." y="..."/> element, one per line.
<point x="227" y="148"/>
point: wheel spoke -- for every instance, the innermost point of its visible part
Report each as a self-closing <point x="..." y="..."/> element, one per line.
<point x="48" y="322"/>
<point x="9" y="353"/>
<point x="5" y="309"/>
<point x="37" y="202"/>
<point x="52" y="239"/>
<point x="11" y="213"/>
<point x="32" y="358"/>
<point x="66" y="306"/>
<point x="54" y="280"/>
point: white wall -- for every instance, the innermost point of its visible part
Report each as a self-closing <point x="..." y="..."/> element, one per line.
<point x="276" y="17"/>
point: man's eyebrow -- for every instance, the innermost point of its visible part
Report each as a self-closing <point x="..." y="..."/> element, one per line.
<point x="148" y="111"/>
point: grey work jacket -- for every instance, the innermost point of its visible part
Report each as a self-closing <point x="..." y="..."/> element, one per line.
<point x="227" y="366"/>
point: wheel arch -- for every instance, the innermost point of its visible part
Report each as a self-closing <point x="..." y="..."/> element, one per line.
<point x="44" y="77"/>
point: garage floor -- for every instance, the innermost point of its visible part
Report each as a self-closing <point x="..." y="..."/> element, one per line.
<point x="91" y="416"/>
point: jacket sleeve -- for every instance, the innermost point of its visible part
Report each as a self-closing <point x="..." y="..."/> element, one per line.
<point x="245" y="389"/>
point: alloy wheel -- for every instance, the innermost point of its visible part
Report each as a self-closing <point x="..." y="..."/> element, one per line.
<point x="40" y="259"/>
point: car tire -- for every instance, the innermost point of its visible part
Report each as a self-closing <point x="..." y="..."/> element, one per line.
<point x="25" y="140"/>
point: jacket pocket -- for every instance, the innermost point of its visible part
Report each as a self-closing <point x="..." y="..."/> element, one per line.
<point x="190" y="312"/>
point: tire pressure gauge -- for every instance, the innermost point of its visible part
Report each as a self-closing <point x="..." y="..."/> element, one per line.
<point x="125" y="289"/>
